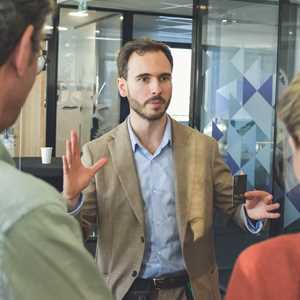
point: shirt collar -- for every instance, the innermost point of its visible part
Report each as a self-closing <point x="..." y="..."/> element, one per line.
<point x="166" y="140"/>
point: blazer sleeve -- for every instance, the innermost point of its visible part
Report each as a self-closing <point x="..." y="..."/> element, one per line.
<point x="223" y="188"/>
<point x="88" y="212"/>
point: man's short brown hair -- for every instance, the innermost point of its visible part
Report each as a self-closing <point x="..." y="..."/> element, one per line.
<point x="15" y="17"/>
<point x="140" y="46"/>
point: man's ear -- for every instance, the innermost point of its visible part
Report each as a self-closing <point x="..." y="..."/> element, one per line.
<point x="23" y="54"/>
<point x="122" y="85"/>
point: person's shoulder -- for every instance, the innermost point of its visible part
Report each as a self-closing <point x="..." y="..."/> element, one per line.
<point x="20" y="193"/>
<point x="285" y="246"/>
<point x="24" y="184"/>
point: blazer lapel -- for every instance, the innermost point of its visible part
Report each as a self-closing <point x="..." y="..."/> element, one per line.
<point x="123" y="162"/>
<point x="180" y="146"/>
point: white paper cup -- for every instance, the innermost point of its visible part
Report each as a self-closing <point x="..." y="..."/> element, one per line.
<point x="46" y="153"/>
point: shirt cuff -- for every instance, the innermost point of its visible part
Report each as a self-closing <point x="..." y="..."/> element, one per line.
<point x="251" y="225"/>
<point x="75" y="211"/>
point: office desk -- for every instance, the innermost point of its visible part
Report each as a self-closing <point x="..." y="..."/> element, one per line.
<point x="51" y="173"/>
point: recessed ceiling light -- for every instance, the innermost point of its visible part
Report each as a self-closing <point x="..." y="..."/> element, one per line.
<point x="121" y="18"/>
<point x="203" y="7"/>
<point x="48" y="27"/>
<point x="79" y="13"/>
<point x="60" y="28"/>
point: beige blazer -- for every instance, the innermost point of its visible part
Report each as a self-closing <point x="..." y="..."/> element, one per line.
<point x="113" y="199"/>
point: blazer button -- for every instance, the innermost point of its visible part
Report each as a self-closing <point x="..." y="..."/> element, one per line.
<point x="134" y="273"/>
<point x="142" y="239"/>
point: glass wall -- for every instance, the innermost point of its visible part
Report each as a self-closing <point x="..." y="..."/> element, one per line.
<point x="88" y="98"/>
<point x="236" y="59"/>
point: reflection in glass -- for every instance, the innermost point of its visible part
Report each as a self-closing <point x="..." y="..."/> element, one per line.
<point x="163" y="28"/>
<point x="240" y="58"/>
<point x="88" y="97"/>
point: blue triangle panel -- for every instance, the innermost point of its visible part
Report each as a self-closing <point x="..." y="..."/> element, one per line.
<point x="216" y="132"/>
<point x="234" y="167"/>
<point x="266" y="89"/>
<point x="293" y="196"/>
<point x="222" y="105"/>
<point x="248" y="90"/>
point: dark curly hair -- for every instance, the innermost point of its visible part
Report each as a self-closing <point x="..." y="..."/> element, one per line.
<point x="15" y="17"/>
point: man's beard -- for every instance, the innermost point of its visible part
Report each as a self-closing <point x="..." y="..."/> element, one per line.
<point x="141" y="111"/>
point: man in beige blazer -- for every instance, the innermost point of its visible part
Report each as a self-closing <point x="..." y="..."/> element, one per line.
<point x="121" y="198"/>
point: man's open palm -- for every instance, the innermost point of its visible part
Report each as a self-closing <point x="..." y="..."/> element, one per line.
<point x="76" y="175"/>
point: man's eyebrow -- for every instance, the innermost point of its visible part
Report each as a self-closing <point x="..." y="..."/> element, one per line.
<point x="143" y="75"/>
<point x="148" y="74"/>
<point x="166" y="74"/>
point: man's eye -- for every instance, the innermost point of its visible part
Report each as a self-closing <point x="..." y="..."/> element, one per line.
<point x="165" y="78"/>
<point x="144" y="79"/>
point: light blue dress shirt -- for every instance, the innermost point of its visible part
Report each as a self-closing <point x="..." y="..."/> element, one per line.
<point x="156" y="175"/>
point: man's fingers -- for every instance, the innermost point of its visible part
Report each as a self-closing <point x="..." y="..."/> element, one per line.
<point x="68" y="153"/>
<point x="65" y="165"/>
<point x="74" y="143"/>
<point x="272" y="215"/>
<point x="252" y="195"/>
<point x="98" y="165"/>
<point x="272" y="207"/>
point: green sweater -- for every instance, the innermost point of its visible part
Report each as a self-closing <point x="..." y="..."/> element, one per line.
<point x="41" y="251"/>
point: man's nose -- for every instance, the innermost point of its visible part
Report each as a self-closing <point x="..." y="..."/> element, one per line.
<point x="156" y="87"/>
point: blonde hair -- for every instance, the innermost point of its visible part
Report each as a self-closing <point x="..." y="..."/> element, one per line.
<point x="289" y="109"/>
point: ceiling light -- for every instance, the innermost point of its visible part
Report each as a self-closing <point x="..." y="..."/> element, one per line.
<point x="203" y="7"/>
<point x="48" y="27"/>
<point x="78" y="14"/>
<point x="121" y="18"/>
<point x="60" y="28"/>
<point x="103" y="38"/>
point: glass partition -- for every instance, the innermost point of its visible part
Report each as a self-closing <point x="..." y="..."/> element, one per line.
<point x="88" y="98"/>
<point x="236" y="66"/>
<point x="163" y="28"/>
